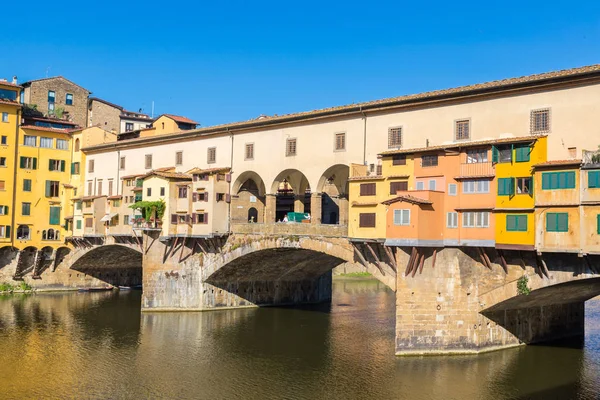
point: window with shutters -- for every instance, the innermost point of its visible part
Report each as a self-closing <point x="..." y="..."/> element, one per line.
<point x="429" y="161"/>
<point x="432" y="184"/>
<point x="452" y="189"/>
<point x="28" y="162"/>
<point x="557" y="222"/>
<point x="46" y="142"/>
<point x="90" y="188"/>
<point x="368" y="189"/>
<point x="452" y="220"/>
<point x="89" y="223"/>
<point x="395" y="137"/>
<point x="506" y="186"/>
<point x="110" y="187"/>
<point x="340" y="141"/>
<point x="290" y="147"/>
<point x="598" y="224"/>
<point x="3" y="139"/>
<point x="220" y="196"/>
<point x="524" y="186"/>
<point x="476" y="186"/>
<point x="99" y="191"/>
<point x="148" y="161"/>
<point x="179" y="158"/>
<point x="56" y="165"/>
<point x="462" y="129"/>
<point x="25" y="209"/>
<point x="522" y="153"/>
<point x="90" y="165"/>
<point x="2" y="161"/>
<point x="2" y="185"/>
<point x="249" y="151"/>
<point x="402" y="217"/>
<point x="475" y="156"/>
<point x="122" y="163"/>
<point x="366" y="220"/>
<point x="379" y="170"/>
<point x="52" y="188"/>
<point x="398" y="186"/>
<point x="516" y="223"/>
<point x="211" y="156"/>
<point x="558" y="180"/>
<point x="30" y="141"/>
<point x="399" y="159"/>
<point x="3" y="210"/>
<point x="78" y="205"/>
<point x="593" y="179"/>
<point x="75" y="168"/>
<point x="476" y="219"/>
<point x="54" y="215"/>
<point x="502" y="154"/>
<point x="539" y="121"/>
<point x="420" y="185"/>
<point x="4" y="231"/>
<point x="182" y="192"/>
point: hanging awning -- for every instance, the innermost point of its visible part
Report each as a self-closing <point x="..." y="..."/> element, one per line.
<point x="108" y="217"/>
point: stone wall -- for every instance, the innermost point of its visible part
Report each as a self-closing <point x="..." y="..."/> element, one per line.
<point x="37" y="93"/>
<point x="104" y="116"/>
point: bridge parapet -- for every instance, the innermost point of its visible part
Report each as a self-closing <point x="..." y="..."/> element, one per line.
<point x="290" y="229"/>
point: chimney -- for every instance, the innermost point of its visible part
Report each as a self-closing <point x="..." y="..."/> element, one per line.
<point x="14" y="81"/>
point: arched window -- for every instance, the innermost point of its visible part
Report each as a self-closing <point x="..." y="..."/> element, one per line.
<point x="50" y="234"/>
<point x="252" y="215"/>
<point x="23" y="232"/>
<point x="77" y="144"/>
<point x="44" y="235"/>
<point x="57" y="234"/>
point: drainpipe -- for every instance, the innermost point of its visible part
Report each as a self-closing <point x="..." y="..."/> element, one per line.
<point x="13" y="232"/>
<point x="118" y="172"/>
<point x="230" y="174"/>
<point x="364" y="135"/>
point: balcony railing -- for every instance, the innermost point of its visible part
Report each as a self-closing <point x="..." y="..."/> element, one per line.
<point x="476" y="169"/>
<point x="591" y="157"/>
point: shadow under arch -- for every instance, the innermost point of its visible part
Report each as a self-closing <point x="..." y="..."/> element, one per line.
<point x="292" y="190"/>
<point x="248" y="192"/>
<point x="333" y="187"/>
<point x="115" y="264"/>
<point x="7" y="255"/>
<point x="243" y="178"/>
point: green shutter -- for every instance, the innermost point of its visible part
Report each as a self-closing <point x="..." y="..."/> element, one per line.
<point x="27" y="185"/>
<point x="34" y="163"/>
<point x="8" y="231"/>
<point x="570" y="179"/>
<point x="553" y="180"/>
<point x="62" y="165"/>
<point x="562" y="222"/>
<point x="50" y="165"/>
<point x="522" y="153"/>
<point x="506" y="186"/>
<point x="550" y="222"/>
<point x="54" y="215"/>
<point x="545" y="180"/>
<point x="522" y="223"/>
<point x="72" y="168"/>
<point x="598" y="224"/>
<point x="511" y="223"/>
<point x="78" y="224"/>
<point x="594" y="179"/>
<point x="6" y="210"/>
<point x="495" y="155"/>
<point x="511" y="186"/>
<point x="22" y="162"/>
<point x="48" y="188"/>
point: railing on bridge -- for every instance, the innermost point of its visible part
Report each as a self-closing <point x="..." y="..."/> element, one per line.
<point x="290" y="228"/>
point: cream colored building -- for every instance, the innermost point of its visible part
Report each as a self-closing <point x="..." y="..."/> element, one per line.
<point x="307" y="151"/>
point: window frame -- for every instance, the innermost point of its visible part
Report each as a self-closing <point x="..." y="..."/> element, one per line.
<point x="364" y="189"/>
<point x="249" y="151"/>
<point x="430" y="164"/>
<point x="288" y="142"/>
<point x="555" y="216"/>
<point x="454" y="215"/>
<point x="341" y="135"/>
<point x="533" y="128"/>
<point x="147" y="161"/>
<point x="400" y="213"/>
<point x="211" y="155"/>
<point x="515" y="225"/>
<point x="69" y="102"/>
<point x="395" y="137"/>
<point x="519" y="180"/>
<point x="363" y="224"/>
<point x="457" y="128"/>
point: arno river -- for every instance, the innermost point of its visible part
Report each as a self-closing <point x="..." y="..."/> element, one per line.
<point x="99" y="345"/>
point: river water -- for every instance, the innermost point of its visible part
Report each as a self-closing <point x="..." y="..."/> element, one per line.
<point x="99" y="345"/>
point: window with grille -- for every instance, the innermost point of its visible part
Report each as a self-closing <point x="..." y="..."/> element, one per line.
<point x="340" y="141"/>
<point x="402" y="217"/>
<point x="148" y="161"/>
<point x="122" y="163"/>
<point x="429" y="161"/>
<point x="540" y="121"/>
<point x="366" y="220"/>
<point x="399" y="159"/>
<point x="179" y="158"/>
<point x="463" y="129"/>
<point x="368" y="189"/>
<point x="290" y="147"/>
<point x="395" y="137"/>
<point x="249" y="154"/>
<point x="90" y="165"/>
<point x="452" y="220"/>
<point x="211" y="156"/>
<point x="398" y="186"/>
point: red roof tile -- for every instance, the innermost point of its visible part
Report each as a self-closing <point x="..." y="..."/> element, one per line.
<point x="556" y="163"/>
<point x="408" y="199"/>
<point x="178" y="118"/>
<point x="46" y="129"/>
<point x="7" y="83"/>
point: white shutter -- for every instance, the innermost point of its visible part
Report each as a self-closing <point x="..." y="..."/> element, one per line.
<point x="420" y="185"/>
<point x="405" y="217"/>
<point x="486" y="219"/>
<point x="432" y="184"/>
<point x="455" y="220"/>
<point x="452" y="189"/>
<point x="397" y="217"/>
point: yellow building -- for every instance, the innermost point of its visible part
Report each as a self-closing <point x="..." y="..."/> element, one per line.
<point x="515" y="224"/>
<point x="368" y="188"/>
<point x="42" y="183"/>
<point x="10" y="111"/>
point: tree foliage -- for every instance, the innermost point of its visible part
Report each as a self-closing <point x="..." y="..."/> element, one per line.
<point x="150" y="209"/>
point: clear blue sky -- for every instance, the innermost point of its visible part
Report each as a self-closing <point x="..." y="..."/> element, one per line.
<point x="227" y="61"/>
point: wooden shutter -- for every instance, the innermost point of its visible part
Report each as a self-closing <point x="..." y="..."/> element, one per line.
<point x="206" y="218"/>
<point x="62" y="165"/>
<point x="194" y="196"/>
<point x="367" y="220"/>
<point x="194" y="218"/>
<point x="205" y="196"/>
<point x="367" y="189"/>
<point x="396" y="186"/>
<point x="174" y="219"/>
<point x="228" y="198"/>
<point x="228" y="178"/>
<point x="7" y="230"/>
<point x="399" y="160"/>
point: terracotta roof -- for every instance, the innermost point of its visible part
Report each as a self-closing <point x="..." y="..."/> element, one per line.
<point x="51" y="120"/>
<point x="179" y="118"/>
<point x="168" y="174"/>
<point x="366" y="178"/>
<point x="115" y="197"/>
<point x="69" y="217"/>
<point x="10" y="103"/>
<point x="86" y="198"/>
<point x="7" y="83"/>
<point x="483" y="176"/>
<point x="28" y="83"/>
<point x="137" y="189"/>
<point x="208" y="170"/>
<point x="46" y="129"/>
<point x="108" y="103"/>
<point x="131" y="176"/>
<point x="68" y="186"/>
<point x="407" y="198"/>
<point x="459" y="145"/>
<point x="556" y="163"/>
<point x="407" y="100"/>
<point x="368" y="203"/>
<point x="398" y="176"/>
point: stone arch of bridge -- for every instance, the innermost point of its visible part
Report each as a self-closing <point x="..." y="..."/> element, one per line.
<point x="7" y="255"/>
<point x="116" y="264"/>
<point x="281" y="259"/>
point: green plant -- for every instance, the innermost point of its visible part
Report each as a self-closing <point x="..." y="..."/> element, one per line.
<point x="522" y="285"/>
<point x="150" y="209"/>
<point x="59" y="112"/>
<point x="24" y="286"/>
<point x="6" y="287"/>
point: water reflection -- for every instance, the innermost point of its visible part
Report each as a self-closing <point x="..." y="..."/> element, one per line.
<point x="96" y="345"/>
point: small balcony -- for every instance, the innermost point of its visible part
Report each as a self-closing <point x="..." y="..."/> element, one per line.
<point x="591" y="159"/>
<point x="475" y="170"/>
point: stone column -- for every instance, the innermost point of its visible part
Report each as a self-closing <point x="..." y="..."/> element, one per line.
<point x="299" y="203"/>
<point x="270" y="208"/>
<point x="343" y="207"/>
<point x="315" y="208"/>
